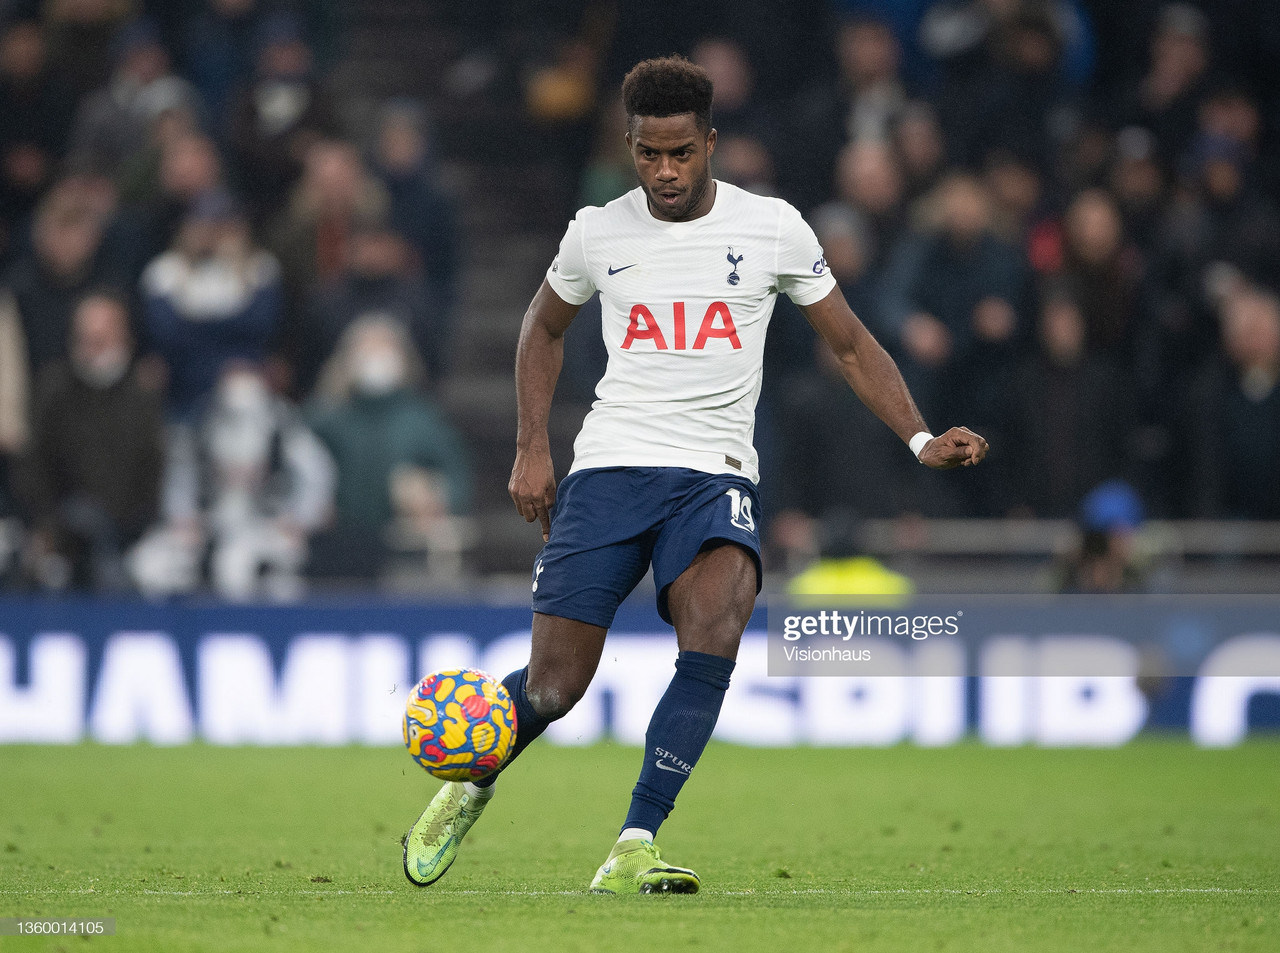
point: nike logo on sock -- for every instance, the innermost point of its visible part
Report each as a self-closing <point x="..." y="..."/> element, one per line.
<point x="667" y="767"/>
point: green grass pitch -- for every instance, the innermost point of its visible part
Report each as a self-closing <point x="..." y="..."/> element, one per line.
<point x="1154" y="846"/>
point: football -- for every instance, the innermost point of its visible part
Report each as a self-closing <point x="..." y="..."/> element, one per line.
<point x="459" y="724"/>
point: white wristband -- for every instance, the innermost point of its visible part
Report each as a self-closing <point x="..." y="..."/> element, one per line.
<point x="917" y="442"/>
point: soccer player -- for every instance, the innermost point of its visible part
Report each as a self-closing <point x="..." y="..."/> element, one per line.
<point x="664" y="471"/>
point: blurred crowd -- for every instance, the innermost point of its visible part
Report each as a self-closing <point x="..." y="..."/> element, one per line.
<point x="225" y="310"/>
<point x="221" y="314"/>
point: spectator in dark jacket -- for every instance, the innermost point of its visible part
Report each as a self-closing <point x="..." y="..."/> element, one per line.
<point x="869" y="178"/>
<point x="213" y="298"/>
<point x="218" y="47"/>
<point x="420" y="210"/>
<point x="1012" y="95"/>
<point x="188" y="166"/>
<point x="952" y="301"/>
<point x="1073" y="414"/>
<point x="36" y="107"/>
<point x="1236" y="410"/>
<point x="82" y="36"/>
<point x="1165" y="99"/>
<point x="64" y="263"/>
<point x="278" y="115"/>
<point x="112" y="122"/>
<point x="862" y="105"/>
<point x="379" y="280"/>
<point x="91" y="477"/>
<point x="1138" y="184"/>
<point x="920" y="147"/>
<point x="311" y="236"/>
<point x="737" y="106"/>
<point x="1221" y="229"/>
<point x="1102" y="272"/>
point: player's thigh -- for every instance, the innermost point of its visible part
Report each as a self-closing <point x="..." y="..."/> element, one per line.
<point x="711" y="601"/>
<point x="562" y="662"/>
<point x="600" y="546"/>
<point x="707" y="559"/>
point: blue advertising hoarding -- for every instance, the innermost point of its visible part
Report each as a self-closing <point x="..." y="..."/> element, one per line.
<point x="330" y="673"/>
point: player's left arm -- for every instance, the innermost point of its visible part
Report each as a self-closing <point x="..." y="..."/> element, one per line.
<point x="875" y="378"/>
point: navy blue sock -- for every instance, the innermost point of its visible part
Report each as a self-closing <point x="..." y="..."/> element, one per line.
<point x="529" y="724"/>
<point x="679" y="730"/>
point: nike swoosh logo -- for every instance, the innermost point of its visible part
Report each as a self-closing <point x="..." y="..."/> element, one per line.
<point x="426" y="869"/>
<point x="614" y="271"/>
<point x="666" y="767"/>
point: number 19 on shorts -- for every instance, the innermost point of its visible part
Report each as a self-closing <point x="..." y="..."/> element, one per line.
<point x="740" y="510"/>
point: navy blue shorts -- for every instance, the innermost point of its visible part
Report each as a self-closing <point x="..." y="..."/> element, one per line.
<point x="609" y="523"/>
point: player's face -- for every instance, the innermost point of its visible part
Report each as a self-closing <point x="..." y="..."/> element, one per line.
<point x="673" y="163"/>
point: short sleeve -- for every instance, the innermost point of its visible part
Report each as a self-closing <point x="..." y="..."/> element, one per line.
<point x="803" y="274"/>
<point x="568" y="275"/>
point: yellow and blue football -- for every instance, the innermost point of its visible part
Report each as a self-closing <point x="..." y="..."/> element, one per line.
<point x="460" y="724"/>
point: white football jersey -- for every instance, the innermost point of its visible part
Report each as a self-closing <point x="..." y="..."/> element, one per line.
<point x="685" y="310"/>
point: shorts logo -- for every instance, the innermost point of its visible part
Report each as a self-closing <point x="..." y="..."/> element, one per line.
<point x="820" y="266"/>
<point x="740" y="510"/>
<point x="537" y="571"/>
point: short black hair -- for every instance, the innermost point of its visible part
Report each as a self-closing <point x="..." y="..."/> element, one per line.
<point x="668" y="86"/>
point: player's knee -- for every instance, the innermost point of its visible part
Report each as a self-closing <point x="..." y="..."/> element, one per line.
<point x="553" y="700"/>
<point x="713" y="627"/>
<point x="714" y="630"/>
<point x="722" y="640"/>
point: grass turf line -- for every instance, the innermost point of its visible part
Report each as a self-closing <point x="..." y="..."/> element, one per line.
<point x="1154" y="846"/>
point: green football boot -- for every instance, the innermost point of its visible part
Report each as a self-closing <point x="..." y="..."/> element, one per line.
<point x="432" y="843"/>
<point x="635" y="866"/>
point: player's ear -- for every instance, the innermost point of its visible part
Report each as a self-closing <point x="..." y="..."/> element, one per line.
<point x="711" y="143"/>
<point x="628" y="137"/>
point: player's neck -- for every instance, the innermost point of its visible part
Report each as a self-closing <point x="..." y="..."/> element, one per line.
<point x="705" y="204"/>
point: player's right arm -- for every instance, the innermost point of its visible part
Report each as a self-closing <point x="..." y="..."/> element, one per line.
<point x="539" y="356"/>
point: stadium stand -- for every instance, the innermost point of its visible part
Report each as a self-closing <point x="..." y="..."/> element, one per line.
<point x="1076" y="199"/>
